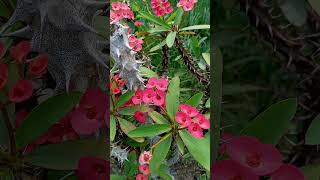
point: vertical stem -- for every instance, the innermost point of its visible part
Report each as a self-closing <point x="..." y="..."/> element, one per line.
<point x="216" y="99"/>
<point x="13" y="149"/>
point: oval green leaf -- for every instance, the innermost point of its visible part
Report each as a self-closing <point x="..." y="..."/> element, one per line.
<point x="172" y="97"/>
<point x="126" y="127"/>
<point x="113" y="128"/>
<point x="204" y="26"/>
<point x="66" y="155"/>
<point x="160" y="152"/>
<point x="44" y="116"/>
<point x="124" y="98"/>
<point x="146" y="72"/>
<point x="149" y="130"/>
<point x="195" y="100"/>
<point x="158" y="118"/>
<point x="198" y="148"/>
<point x="313" y="133"/>
<point x="273" y="123"/>
<point x="154" y="19"/>
<point x="170" y="39"/>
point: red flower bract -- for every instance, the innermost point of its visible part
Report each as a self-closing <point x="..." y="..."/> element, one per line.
<point x="38" y="65"/>
<point x="289" y="172"/>
<point x="141" y="177"/>
<point x="20" y="51"/>
<point x="91" y="168"/>
<point x="21" y="91"/>
<point x="144" y="169"/>
<point x="145" y="157"/>
<point x="262" y="159"/>
<point x="230" y="170"/>
<point x="140" y="117"/>
<point x="3" y="75"/>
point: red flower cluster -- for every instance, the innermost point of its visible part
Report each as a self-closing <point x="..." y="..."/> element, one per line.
<point x="249" y="159"/>
<point x="141" y="117"/>
<point x="144" y="160"/>
<point x="187" y="4"/>
<point x="135" y="43"/>
<point x="153" y="94"/>
<point x="116" y="83"/>
<point x="91" y="168"/>
<point x="120" y="11"/>
<point x="161" y="7"/>
<point x="190" y="117"/>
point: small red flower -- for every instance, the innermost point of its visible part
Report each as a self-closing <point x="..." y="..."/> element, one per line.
<point x="122" y="82"/>
<point x="91" y="168"/>
<point x="187" y="4"/>
<point x="289" y="172"/>
<point x="230" y="170"/>
<point x="195" y="130"/>
<point x="3" y="75"/>
<point x="203" y="122"/>
<point x="162" y="84"/>
<point x="137" y="98"/>
<point x="144" y="169"/>
<point x="20" y="51"/>
<point x="141" y="177"/>
<point x="116" y="77"/>
<point x="116" y="90"/>
<point x="38" y="65"/>
<point x="2" y="49"/>
<point x="161" y="7"/>
<point x="140" y="116"/>
<point x="183" y="119"/>
<point x="159" y="98"/>
<point x="189" y="110"/>
<point x="145" y="157"/>
<point x="138" y="23"/>
<point x="151" y="82"/>
<point x="262" y="159"/>
<point x="21" y="91"/>
<point x="148" y="95"/>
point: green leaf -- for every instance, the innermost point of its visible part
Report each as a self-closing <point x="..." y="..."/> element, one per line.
<point x="146" y="72"/>
<point x="66" y="155"/>
<point x="124" y="98"/>
<point x="295" y="11"/>
<point x="150" y="130"/>
<point x="157" y="29"/>
<point x="117" y="177"/>
<point x="180" y="145"/>
<point x="313" y="133"/>
<point x="170" y="39"/>
<point x="131" y="166"/>
<point x="158" y="118"/>
<point x="158" y="46"/>
<point x="315" y="4"/>
<point x="207" y="105"/>
<point x="126" y="127"/>
<point x="206" y="57"/>
<point x="162" y="172"/>
<point x="160" y="152"/>
<point x="113" y="127"/>
<point x="195" y="100"/>
<point x="154" y="19"/>
<point x="130" y="110"/>
<point x="172" y="97"/>
<point x="205" y="26"/>
<point x="198" y="148"/>
<point x="44" y="116"/>
<point x="311" y="172"/>
<point x="273" y="123"/>
<point x="178" y="18"/>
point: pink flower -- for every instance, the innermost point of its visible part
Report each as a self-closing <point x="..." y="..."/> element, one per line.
<point x="144" y="169"/>
<point x="116" y="6"/>
<point x="140" y="116"/>
<point x="137" y="98"/>
<point x="159" y="98"/>
<point x="89" y="116"/>
<point x="92" y="168"/>
<point x="230" y="170"/>
<point x="161" y="7"/>
<point x="183" y="119"/>
<point x="151" y="82"/>
<point x="262" y="159"/>
<point x="289" y="172"/>
<point x="21" y="91"/>
<point x="20" y="51"/>
<point x="189" y="110"/>
<point x="38" y="65"/>
<point x="120" y="11"/>
<point x="141" y="177"/>
<point x="135" y="43"/>
<point x="138" y="23"/>
<point x="148" y="95"/>
<point x="2" y="49"/>
<point x="202" y="121"/>
<point x="187" y="4"/>
<point x="162" y="84"/>
<point x="195" y="130"/>
<point x="3" y="75"/>
<point x="145" y="157"/>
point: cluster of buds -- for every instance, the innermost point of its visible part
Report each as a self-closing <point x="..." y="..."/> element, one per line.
<point x="250" y="159"/>
<point x="144" y="160"/>
<point x="120" y="11"/>
<point x="135" y="43"/>
<point x="191" y="118"/>
<point x="161" y="7"/>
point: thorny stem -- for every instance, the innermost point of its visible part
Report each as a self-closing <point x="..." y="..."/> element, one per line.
<point x="165" y="60"/>
<point x="13" y="149"/>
